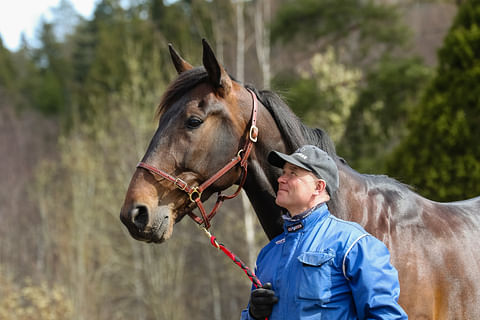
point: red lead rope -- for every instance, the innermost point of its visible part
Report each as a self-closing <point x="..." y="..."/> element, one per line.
<point x="253" y="278"/>
<point x="235" y="259"/>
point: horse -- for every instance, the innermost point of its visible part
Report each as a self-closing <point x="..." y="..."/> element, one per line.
<point x="207" y="121"/>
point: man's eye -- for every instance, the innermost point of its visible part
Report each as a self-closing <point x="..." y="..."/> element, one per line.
<point x="193" y="122"/>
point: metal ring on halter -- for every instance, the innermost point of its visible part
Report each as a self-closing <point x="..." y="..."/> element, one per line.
<point x="195" y="190"/>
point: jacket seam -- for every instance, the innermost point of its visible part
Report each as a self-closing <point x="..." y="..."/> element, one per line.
<point x="348" y="251"/>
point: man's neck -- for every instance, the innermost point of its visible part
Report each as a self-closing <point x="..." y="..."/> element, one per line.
<point x="322" y="198"/>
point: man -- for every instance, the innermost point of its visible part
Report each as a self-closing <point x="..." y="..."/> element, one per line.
<point x="321" y="267"/>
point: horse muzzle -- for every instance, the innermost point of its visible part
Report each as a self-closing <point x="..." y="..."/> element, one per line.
<point x="148" y="224"/>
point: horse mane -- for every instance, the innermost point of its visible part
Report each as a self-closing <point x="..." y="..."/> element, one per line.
<point x="294" y="132"/>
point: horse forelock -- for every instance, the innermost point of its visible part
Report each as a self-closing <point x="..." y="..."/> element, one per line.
<point x="186" y="81"/>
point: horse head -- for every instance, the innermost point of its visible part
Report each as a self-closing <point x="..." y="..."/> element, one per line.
<point x="202" y="113"/>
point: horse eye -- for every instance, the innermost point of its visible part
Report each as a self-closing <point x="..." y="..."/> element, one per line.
<point x="193" y="122"/>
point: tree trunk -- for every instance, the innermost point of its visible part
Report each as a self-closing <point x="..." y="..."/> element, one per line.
<point x="240" y="70"/>
<point x="262" y="39"/>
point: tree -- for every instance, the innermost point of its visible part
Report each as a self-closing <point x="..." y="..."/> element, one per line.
<point x="440" y="154"/>
<point x="378" y="118"/>
<point x="52" y="94"/>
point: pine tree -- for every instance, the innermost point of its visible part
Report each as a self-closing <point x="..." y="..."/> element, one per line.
<point x="440" y="156"/>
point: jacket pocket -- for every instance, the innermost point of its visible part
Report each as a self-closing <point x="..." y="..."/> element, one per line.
<point x="315" y="275"/>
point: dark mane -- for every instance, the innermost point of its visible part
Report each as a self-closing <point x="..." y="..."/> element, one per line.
<point x="294" y="132"/>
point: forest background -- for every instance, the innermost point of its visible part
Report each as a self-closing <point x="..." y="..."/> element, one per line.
<point x="394" y="82"/>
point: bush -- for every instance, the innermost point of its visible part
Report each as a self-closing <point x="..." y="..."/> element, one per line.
<point x="29" y="301"/>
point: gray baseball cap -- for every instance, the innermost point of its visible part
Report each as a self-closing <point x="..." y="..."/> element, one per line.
<point x="313" y="159"/>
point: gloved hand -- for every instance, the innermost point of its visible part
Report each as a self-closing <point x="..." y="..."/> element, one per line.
<point x="262" y="301"/>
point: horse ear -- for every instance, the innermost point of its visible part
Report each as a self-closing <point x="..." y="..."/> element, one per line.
<point x="180" y="64"/>
<point x="219" y="78"/>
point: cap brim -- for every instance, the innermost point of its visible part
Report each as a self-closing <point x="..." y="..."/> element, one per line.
<point x="278" y="159"/>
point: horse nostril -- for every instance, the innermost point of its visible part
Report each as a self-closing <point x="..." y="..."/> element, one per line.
<point x="139" y="216"/>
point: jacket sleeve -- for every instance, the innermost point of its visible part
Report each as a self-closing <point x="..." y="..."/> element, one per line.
<point x="373" y="280"/>
<point x="246" y="315"/>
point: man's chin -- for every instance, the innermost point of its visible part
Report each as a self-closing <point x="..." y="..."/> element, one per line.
<point x="279" y="201"/>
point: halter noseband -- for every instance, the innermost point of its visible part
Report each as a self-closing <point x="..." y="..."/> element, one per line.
<point x="195" y="193"/>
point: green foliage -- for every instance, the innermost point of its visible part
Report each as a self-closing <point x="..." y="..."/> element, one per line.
<point x="378" y="119"/>
<point x="440" y="155"/>
<point x="48" y="95"/>
<point x="324" y="95"/>
<point x="335" y="21"/>
<point x="7" y="69"/>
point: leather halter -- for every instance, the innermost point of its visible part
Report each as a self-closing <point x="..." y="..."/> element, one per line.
<point x="195" y="193"/>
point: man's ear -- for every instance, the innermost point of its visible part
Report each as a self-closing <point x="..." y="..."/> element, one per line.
<point x="320" y="186"/>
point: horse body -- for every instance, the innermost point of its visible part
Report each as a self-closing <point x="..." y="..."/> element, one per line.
<point x="204" y="119"/>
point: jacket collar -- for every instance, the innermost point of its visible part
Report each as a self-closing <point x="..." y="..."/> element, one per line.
<point x="305" y="219"/>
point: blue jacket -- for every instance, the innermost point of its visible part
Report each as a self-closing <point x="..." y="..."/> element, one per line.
<point x="322" y="267"/>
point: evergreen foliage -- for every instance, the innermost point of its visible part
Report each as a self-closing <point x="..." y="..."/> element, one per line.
<point x="378" y="118"/>
<point x="441" y="154"/>
<point x="7" y="70"/>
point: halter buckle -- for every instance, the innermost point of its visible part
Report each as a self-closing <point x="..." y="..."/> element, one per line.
<point x="180" y="184"/>
<point x="253" y="133"/>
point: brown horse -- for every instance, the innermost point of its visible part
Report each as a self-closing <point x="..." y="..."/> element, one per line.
<point x="205" y="123"/>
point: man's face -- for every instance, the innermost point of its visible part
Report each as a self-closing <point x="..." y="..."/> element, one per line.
<point x="296" y="189"/>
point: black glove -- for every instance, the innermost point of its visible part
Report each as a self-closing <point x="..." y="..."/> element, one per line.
<point x="262" y="301"/>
